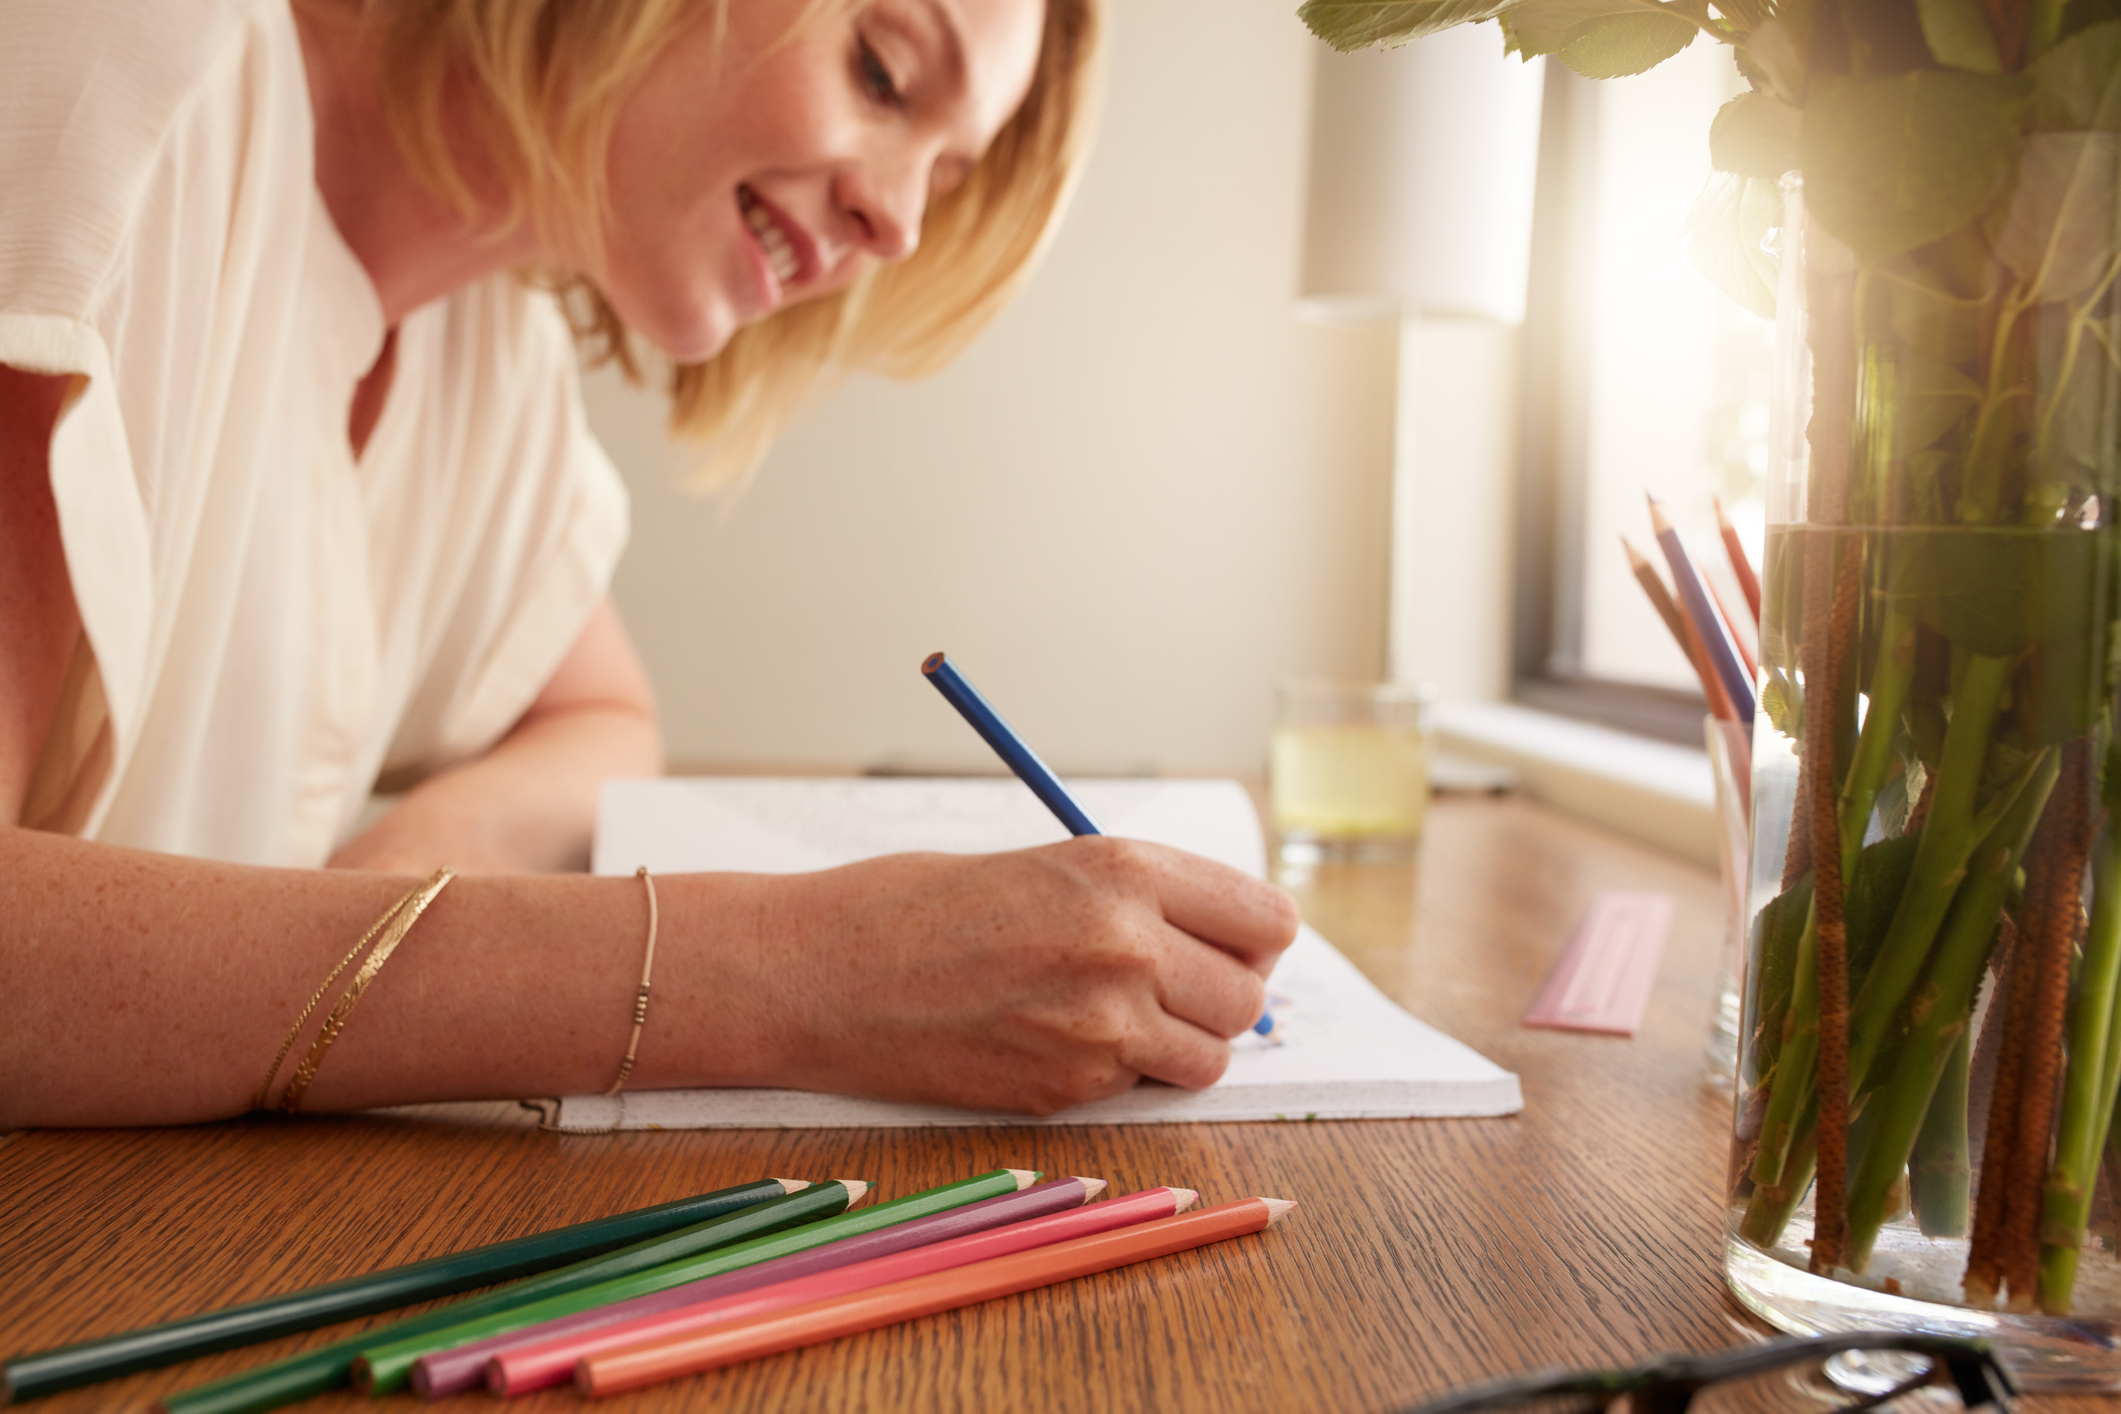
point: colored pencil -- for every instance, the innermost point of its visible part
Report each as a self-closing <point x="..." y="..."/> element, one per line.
<point x="920" y="1296"/>
<point x="464" y="1367"/>
<point x="552" y="1362"/>
<point x="107" y="1357"/>
<point x="998" y="734"/>
<point x="1741" y="567"/>
<point x="385" y="1365"/>
<point x="1682" y="632"/>
<point x="1741" y="629"/>
<point x="316" y="1371"/>
<point x="1695" y="600"/>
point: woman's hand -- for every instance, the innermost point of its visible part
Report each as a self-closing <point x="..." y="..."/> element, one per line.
<point x="1026" y="981"/>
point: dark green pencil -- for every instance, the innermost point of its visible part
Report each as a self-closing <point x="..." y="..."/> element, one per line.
<point x="107" y="1357"/>
<point x="327" y="1368"/>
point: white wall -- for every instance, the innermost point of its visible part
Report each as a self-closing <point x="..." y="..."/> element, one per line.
<point x="1146" y="491"/>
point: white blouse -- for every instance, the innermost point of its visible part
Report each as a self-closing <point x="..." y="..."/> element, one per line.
<point x="269" y="622"/>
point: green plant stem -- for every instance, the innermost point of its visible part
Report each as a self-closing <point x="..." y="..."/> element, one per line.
<point x="1873" y="758"/>
<point x="2088" y="1090"/>
<point x="1769" y="1210"/>
<point x="1988" y="450"/>
<point x="1793" y="1070"/>
<point x="1949" y="836"/>
<point x="1939" y="1169"/>
<point x="1940" y="1010"/>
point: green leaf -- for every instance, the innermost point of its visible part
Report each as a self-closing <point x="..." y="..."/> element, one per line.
<point x="1621" y="45"/>
<point x="1959" y="36"/>
<point x="1349" y="25"/>
<point x="2079" y="400"/>
<point x="1930" y="397"/>
<point x="1874" y="893"/>
<point x="1893" y="163"/>
<point x="1727" y="238"/>
<point x="1755" y="135"/>
<point x="2000" y="591"/>
<point x="2060" y="233"/>
<point x="1776" y="54"/>
<point x="1546" y="26"/>
<point x="1600" y="39"/>
<point x="2077" y="84"/>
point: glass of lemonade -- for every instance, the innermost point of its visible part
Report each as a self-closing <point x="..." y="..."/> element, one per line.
<point x="1349" y="770"/>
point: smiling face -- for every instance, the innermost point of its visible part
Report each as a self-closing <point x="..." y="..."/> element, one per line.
<point x="778" y="165"/>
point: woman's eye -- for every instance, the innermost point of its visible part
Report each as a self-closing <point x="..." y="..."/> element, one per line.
<point x="876" y="79"/>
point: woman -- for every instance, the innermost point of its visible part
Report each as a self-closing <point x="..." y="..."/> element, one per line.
<point x="294" y="491"/>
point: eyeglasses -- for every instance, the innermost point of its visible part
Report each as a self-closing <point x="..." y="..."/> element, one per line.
<point x="1861" y="1371"/>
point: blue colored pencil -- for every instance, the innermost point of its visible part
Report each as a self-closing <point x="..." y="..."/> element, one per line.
<point x="1021" y="759"/>
<point x="1723" y="654"/>
<point x="1007" y="744"/>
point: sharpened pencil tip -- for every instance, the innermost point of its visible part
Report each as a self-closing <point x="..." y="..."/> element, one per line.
<point x="1024" y="1177"/>
<point x="1657" y="521"/>
<point x="792" y="1185"/>
<point x="855" y="1189"/>
<point x="1091" y="1187"/>
<point x="1636" y="560"/>
<point x="1278" y="1208"/>
<point x="1182" y="1199"/>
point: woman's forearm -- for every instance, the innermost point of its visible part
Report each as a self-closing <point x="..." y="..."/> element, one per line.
<point x="146" y="988"/>
<point x="154" y="989"/>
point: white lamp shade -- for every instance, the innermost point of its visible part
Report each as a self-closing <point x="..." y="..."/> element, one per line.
<point x="1423" y="160"/>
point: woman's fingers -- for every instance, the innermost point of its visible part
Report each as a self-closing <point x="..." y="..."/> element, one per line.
<point x="1176" y="1052"/>
<point x="1245" y="917"/>
<point x="1208" y="987"/>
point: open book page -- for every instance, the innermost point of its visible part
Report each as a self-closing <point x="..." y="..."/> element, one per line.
<point x="1341" y="1049"/>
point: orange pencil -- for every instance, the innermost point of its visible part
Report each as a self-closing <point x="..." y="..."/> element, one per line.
<point x="1682" y="630"/>
<point x="1748" y="582"/>
<point x="921" y="1296"/>
<point x="552" y="1362"/>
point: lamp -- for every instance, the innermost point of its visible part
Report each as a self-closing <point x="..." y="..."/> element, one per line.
<point x="1423" y="163"/>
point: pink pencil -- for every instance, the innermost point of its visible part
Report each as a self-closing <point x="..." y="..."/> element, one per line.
<point x="552" y="1362"/>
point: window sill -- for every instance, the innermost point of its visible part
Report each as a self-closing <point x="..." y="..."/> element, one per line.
<point x="1648" y="790"/>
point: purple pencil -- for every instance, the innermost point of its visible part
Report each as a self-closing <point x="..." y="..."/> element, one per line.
<point x="1723" y="654"/>
<point x="464" y="1367"/>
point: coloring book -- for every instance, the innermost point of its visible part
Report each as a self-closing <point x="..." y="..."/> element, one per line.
<point x="1339" y="1048"/>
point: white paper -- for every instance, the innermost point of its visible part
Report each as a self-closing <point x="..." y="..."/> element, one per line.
<point x="1343" y="1050"/>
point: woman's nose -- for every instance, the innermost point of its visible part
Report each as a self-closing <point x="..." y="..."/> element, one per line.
<point x="886" y="201"/>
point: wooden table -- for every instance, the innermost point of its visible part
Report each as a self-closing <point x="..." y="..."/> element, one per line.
<point x="1427" y="1253"/>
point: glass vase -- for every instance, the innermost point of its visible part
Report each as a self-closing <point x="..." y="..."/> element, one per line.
<point x="1930" y="1047"/>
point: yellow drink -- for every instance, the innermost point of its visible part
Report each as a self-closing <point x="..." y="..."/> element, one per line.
<point x="1353" y="782"/>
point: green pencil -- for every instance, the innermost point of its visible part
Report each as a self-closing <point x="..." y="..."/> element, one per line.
<point x="384" y="1367"/>
<point x="327" y="1368"/>
<point x="107" y="1357"/>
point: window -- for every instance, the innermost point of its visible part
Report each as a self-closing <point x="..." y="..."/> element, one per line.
<point x="1640" y="375"/>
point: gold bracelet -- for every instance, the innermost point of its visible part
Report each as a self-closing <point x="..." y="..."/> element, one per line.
<point x="640" y="998"/>
<point x="386" y="933"/>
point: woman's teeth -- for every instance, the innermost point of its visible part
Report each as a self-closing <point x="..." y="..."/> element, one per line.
<point x="780" y="251"/>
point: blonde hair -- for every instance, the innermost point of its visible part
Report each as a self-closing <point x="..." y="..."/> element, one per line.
<point x="545" y="80"/>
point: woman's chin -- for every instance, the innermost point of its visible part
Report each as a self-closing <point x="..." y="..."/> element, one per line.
<point x="695" y="338"/>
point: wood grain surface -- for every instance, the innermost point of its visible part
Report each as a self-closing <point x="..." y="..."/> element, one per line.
<point x="1425" y="1254"/>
